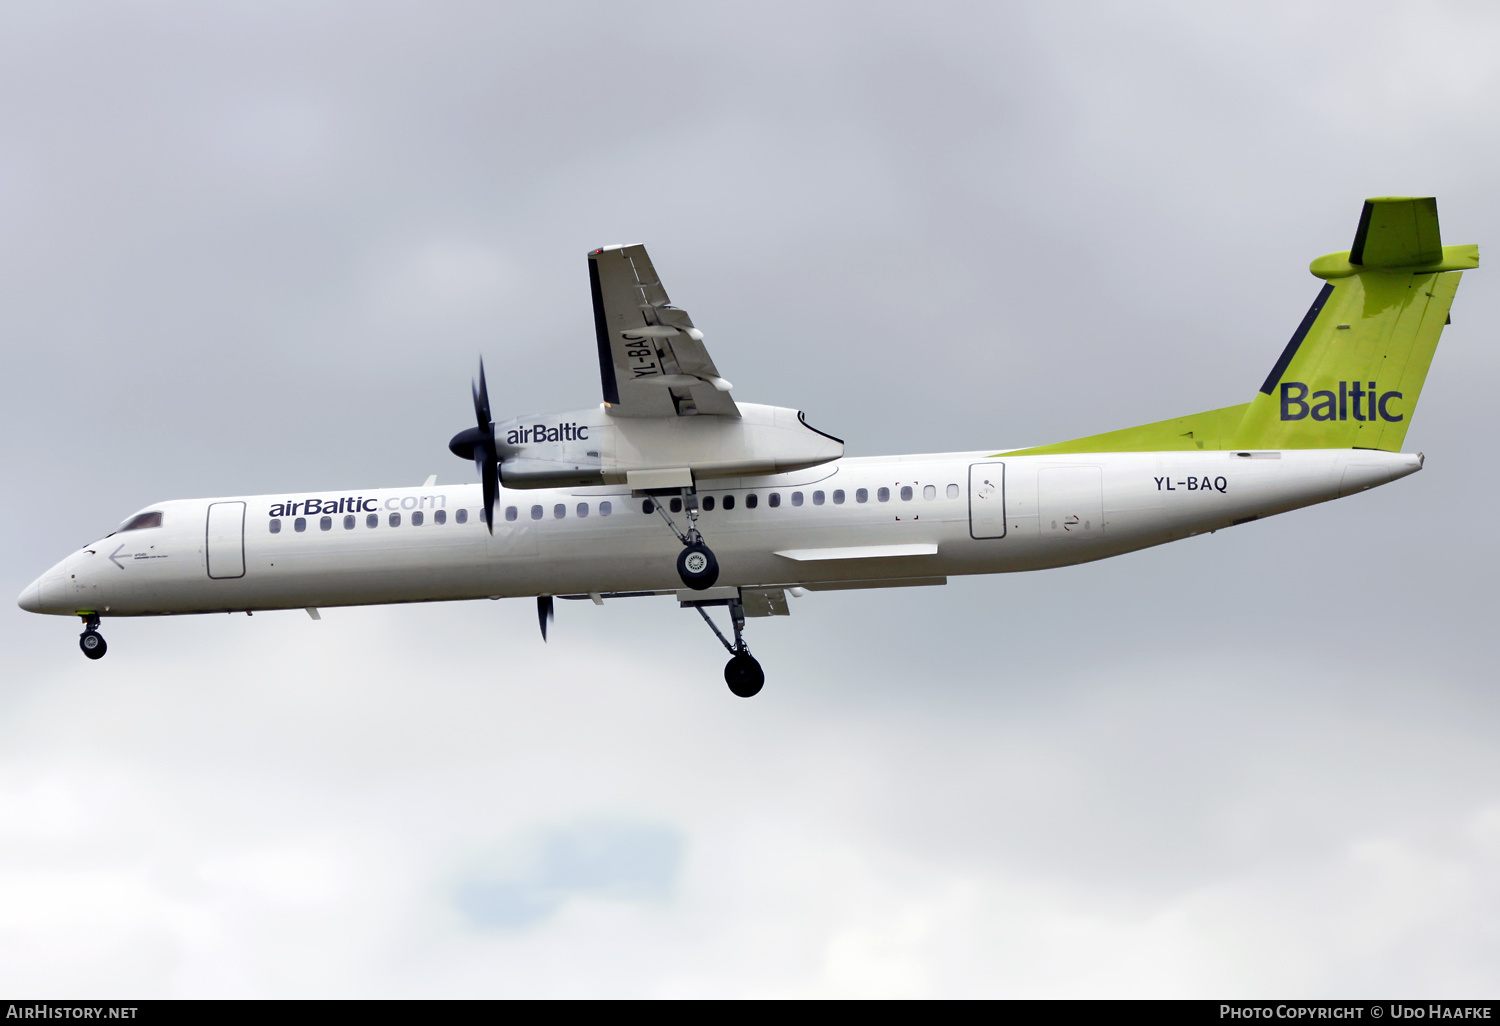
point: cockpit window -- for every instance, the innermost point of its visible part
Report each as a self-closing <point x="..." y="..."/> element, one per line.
<point x="140" y="520"/>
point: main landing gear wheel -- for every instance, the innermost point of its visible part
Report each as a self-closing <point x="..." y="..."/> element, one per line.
<point x="697" y="566"/>
<point x="92" y="643"/>
<point x="744" y="675"/>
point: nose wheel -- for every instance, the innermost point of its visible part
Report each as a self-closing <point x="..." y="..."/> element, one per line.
<point x="696" y="563"/>
<point x="697" y="566"/>
<point x="91" y="641"/>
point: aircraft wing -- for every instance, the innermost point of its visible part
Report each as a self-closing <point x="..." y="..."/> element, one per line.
<point x="652" y="360"/>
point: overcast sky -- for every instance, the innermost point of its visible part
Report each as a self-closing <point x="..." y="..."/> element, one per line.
<point x="258" y="248"/>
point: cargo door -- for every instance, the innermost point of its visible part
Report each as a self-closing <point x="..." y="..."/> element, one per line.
<point x="225" y="544"/>
<point x="987" y="500"/>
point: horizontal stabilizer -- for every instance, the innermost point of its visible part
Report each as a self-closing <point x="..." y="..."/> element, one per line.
<point x="1397" y="233"/>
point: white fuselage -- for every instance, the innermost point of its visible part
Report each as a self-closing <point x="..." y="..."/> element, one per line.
<point x="967" y="513"/>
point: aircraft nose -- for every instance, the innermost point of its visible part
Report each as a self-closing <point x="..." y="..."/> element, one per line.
<point x="31" y="598"/>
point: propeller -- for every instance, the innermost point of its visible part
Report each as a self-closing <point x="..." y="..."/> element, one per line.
<point x="478" y="444"/>
<point x="544" y="612"/>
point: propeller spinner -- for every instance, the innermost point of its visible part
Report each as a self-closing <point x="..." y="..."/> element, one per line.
<point x="478" y="444"/>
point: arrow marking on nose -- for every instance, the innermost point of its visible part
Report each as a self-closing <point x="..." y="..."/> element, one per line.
<point x="115" y="561"/>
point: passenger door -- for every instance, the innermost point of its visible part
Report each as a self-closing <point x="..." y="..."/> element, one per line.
<point x="225" y="542"/>
<point x="987" y="500"/>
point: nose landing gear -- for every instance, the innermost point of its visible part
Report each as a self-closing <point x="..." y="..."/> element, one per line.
<point x="91" y="641"/>
<point x="696" y="564"/>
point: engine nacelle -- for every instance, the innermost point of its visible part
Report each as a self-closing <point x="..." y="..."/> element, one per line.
<point x="590" y="447"/>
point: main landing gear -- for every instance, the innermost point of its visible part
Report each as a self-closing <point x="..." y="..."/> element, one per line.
<point x="696" y="564"/>
<point x="699" y="570"/>
<point x="742" y="673"/>
<point x="91" y="641"/>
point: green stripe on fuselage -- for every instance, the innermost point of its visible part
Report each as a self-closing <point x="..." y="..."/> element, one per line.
<point x="1212" y="429"/>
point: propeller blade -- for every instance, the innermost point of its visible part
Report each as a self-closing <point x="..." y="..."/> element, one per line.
<point x="482" y="403"/>
<point x="478" y="444"/>
<point x="544" y="612"/>
<point x="490" y="475"/>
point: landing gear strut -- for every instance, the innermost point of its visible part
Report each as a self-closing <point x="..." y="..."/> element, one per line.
<point x="91" y="641"/>
<point x="742" y="673"/>
<point x="696" y="564"/>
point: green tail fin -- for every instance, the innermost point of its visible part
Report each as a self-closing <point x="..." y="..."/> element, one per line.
<point x="1351" y="375"/>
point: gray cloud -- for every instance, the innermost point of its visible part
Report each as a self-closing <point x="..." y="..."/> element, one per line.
<point x="259" y="248"/>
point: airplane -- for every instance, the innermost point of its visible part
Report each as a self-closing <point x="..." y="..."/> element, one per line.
<point x="755" y="503"/>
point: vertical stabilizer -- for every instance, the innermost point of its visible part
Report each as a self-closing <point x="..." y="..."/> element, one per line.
<point x="1352" y="373"/>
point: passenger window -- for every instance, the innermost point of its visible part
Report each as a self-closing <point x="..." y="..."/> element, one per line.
<point x="906" y="493"/>
<point x="275" y="526"/>
<point x="373" y="520"/>
<point x="838" y="496"/>
<point x="395" y="519"/>
<point x="752" y="500"/>
<point x="729" y="502"/>
<point x="559" y="511"/>
<point x="861" y="495"/>
<point x="300" y="524"/>
<point x="140" y="520"/>
<point x="708" y="503"/>
<point x="675" y="505"/>
<point x="929" y="491"/>
<point x="953" y="491"/>
<point x="511" y="512"/>
<point x="884" y="495"/>
<point x="796" y="498"/>
<point x="459" y="517"/>
<point x="647" y="508"/>
<point x="817" y="498"/>
<point x="536" y="512"/>
<point x="326" y="524"/>
<point x="773" y="500"/>
<point x="349" y="522"/>
<point x="440" y="516"/>
<point x="416" y="518"/>
<point x="583" y="509"/>
<point x="484" y="516"/>
<point x="605" y="509"/>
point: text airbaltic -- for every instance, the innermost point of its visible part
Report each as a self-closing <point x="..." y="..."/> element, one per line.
<point x="312" y="507"/>
<point x="1351" y="398"/>
<point x="569" y="432"/>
